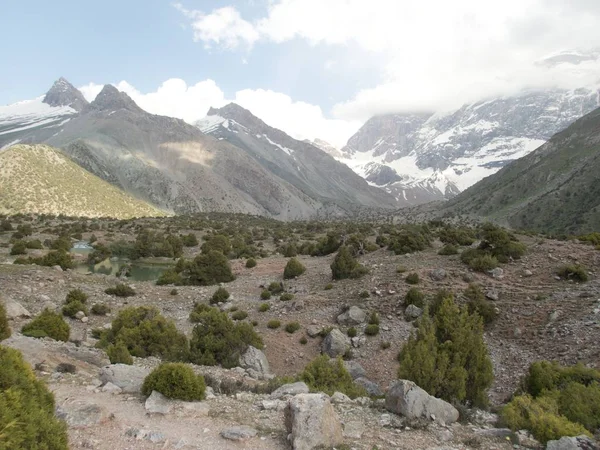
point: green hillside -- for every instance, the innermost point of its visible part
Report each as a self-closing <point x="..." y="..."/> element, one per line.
<point x="554" y="189"/>
<point x="41" y="179"/>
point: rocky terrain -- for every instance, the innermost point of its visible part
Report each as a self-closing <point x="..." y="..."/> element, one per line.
<point x="540" y="316"/>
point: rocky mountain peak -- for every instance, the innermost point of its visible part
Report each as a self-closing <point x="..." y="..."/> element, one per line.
<point x="242" y="116"/>
<point x="63" y="93"/>
<point x="111" y="99"/>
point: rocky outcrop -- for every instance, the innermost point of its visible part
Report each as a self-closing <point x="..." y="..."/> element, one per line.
<point x="63" y="93"/>
<point x="241" y="433"/>
<point x="255" y="360"/>
<point x="335" y="343"/>
<point x="290" y="389"/>
<point x="572" y="443"/>
<point x="14" y="310"/>
<point x="412" y="312"/>
<point x="407" y="399"/>
<point x="312" y="422"/>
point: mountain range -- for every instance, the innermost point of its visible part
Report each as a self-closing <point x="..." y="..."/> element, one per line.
<point x="179" y="168"/>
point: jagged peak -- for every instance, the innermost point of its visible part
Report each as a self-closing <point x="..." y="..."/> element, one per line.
<point x="63" y="93"/>
<point x="235" y="112"/>
<point x="111" y="99"/>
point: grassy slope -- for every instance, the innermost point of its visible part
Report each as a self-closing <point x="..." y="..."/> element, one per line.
<point x="41" y="179"/>
<point x="554" y="189"/>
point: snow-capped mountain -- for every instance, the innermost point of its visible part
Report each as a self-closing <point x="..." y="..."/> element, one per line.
<point x="424" y="157"/>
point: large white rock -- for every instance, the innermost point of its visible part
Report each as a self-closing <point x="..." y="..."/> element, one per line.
<point x="14" y="310"/>
<point x="404" y="397"/>
<point x="354" y="316"/>
<point x="298" y="387"/>
<point x="256" y="360"/>
<point x="335" y="343"/>
<point x="157" y="403"/>
<point x="129" y="378"/>
<point x="312" y="422"/>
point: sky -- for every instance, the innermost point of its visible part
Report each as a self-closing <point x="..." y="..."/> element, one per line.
<point x="314" y="68"/>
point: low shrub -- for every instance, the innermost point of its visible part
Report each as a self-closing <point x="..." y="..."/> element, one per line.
<point x="121" y="290"/>
<point x="292" y="327"/>
<point x="303" y="340"/>
<point x="265" y="294"/>
<point x="239" y="315"/>
<point x="401" y="269"/>
<point x="412" y="278"/>
<point x="293" y="269"/>
<point x="286" y="297"/>
<point x="100" y="309"/>
<point x="351" y="332"/>
<point x="573" y="272"/>
<point x="47" y="324"/>
<point x="169" y="277"/>
<point x="51" y="259"/>
<point x="275" y="287"/>
<point x="385" y="345"/>
<point x="174" y="292"/>
<point x="34" y="244"/>
<point x="414" y="297"/>
<point x="207" y="269"/>
<point x="374" y="318"/>
<point x="220" y="295"/>
<point x="76" y="295"/>
<point x="483" y="263"/>
<point x="216" y="339"/>
<point x="27" y="408"/>
<point x="477" y="303"/>
<point x="72" y="308"/>
<point x="264" y="307"/>
<point x="328" y="287"/>
<point x="346" y="266"/>
<point x="19" y="248"/>
<point x="4" y="327"/>
<point x="250" y="263"/>
<point x="175" y="381"/>
<point x="372" y="329"/>
<point x="118" y="354"/>
<point x="448" y="250"/>
<point x="330" y="376"/>
<point x="273" y="324"/>
<point x="364" y="294"/>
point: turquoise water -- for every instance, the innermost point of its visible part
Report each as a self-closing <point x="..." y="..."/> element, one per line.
<point x="137" y="271"/>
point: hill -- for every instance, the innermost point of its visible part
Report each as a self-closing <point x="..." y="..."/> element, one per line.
<point x="41" y="179"/>
<point x="553" y="189"/>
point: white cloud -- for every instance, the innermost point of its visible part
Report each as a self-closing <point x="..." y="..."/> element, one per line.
<point x="176" y="99"/>
<point x="433" y="54"/>
<point x="223" y="27"/>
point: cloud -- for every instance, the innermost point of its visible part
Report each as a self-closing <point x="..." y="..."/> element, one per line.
<point x="176" y="99"/>
<point x="433" y="54"/>
<point x="223" y="27"/>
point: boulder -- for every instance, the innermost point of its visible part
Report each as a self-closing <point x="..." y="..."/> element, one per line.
<point x="240" y="433"/>
<point x="80" y="414"/>
<point x="254" y="359"/>
<point x="312" y="422"/>
<point x="14" y="310"/>
<point x="497" y="273"/>
<point x="128" y="378"/>
<point x="339" y="397"/>
<point x="572" y="443"/>
<point x="313" y="330"/>
<point x="299" y="387"/>
<point x="437" y="274"/>
<point x="354" y="316"/>
<point x="354" y="369"/>
<point x="335" y="343"/>
<point x="372" y="389"/>
<point x="413" y="312"/>
<point x="406" y="398"/>
<point x="157" y="403"/>
<point x="110" y="388"/>
<point x="492" y="294"/>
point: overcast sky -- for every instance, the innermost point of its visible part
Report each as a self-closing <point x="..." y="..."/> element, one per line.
<point x="315" y="68"/>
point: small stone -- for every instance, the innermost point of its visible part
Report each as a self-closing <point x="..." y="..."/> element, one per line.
<point x="84" y="319"/>
<point x="437" y="274"/>
<point x="240" y="433"/>
<point x="385" y="420"/>
<point x="412" y="312"/>
<point x="498" y="273"/>
<point x="492" y="294"/>
<point x="313" y="331"/>
<point x="79" y="315"/>
<point x="339" y="397"/>
<point x="527" y="273"/>
<point x="157" y="404"/>
<point x="111" y="388"/>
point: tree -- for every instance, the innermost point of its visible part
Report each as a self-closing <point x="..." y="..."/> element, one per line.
<point x="47" y="324"/>
<point x="4" y="327"/>
<point x="19" y="248"/>
<point x="293" y="269"/>
<point x="207" y="269"/>
<point x="448" y="357"/>
<point x="346" y="266"/>
<point x="218" y="243"/>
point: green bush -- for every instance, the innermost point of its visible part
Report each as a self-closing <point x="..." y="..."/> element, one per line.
<point x="292" y="327"/>
<point x="286" y="297"/>
<point x="401" y="269"/>
<point x="409" y="240"/>
<point x="265" y="294"/>
<point x="364" y="294"/>
<point x="328" y="287"/>
<point x="174" y="292"/>
<point x="118" y="354"/>
<point x="372" y="329"/>
<point x="273" y="324"/>
<point x="100" y="309"/>
<point x="72" y="308"/>
<point x="573" y="272"/>
<point x="239" y="315"/>
<point x="540" y="416"/>
<point x="264" y="307"/>
<point x="121" y="290"/>
<point x="374" y="318"/>
<point x="4" y="327"/>
<point x="145" y="332"/>
<point x="207" y="269"/>
<point x="51" y="259"/>
<point x="250" y="263"/>
<point x="217" y="243"/>
<point x="303" y="340"/>
<point x="189" y="240"/>
<point x="448" y="356"/>
<point x="385" y="345"/>
<point x="47" y="324"/>
<point x="412" y="278"/>
<point x="483" y="263"/>
<point x="547" y="376"/>
<point x="346" y="266"/>
<point x="330" y="376"/>
<point x="275" y="287"/>
<point x="216" y="339"/>
<point x="34" y="244"/>
<point x="293" y="269"/>
<point x="477" y="303"/>
<point x="220" y="295"/>
<point x="169" y="276"/>
<point x="456" y="236"/>
<point x="414" y="297"/>
<point x="5" y="225"/>
<point x="27" y="419"/>
<point x="76" y="295"/>
<point x="19" y="248"/>
<point x="175" y="381"/>
<point x="351" y="332"/>
<point x="448" y="249"/>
